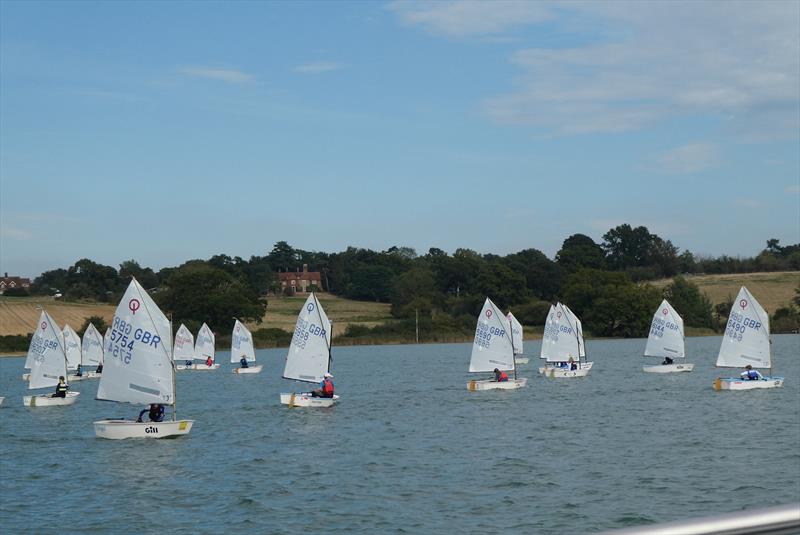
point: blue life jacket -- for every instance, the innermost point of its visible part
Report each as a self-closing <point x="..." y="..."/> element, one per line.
<point x="752" y="375"/>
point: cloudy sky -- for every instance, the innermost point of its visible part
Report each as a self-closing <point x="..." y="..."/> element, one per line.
<point x="162" y="132"/>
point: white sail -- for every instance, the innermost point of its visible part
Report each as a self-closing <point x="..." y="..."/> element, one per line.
<point x="204" y="345"/>
<point x="309" y="353"/>
<point x="91" y="347"/>
<point x="47" y="347"/>
<point x="516" y="333"/>
<point x="184" y="344"/>
<point x="242" y="343"/>
<point x="72" y="346"/>
<point x="492" y="347"/>
<point x="106" y="341"/>
<point x="746" y="338"/>
<point x="33" y="349"/>
<point x="139" y="368"/>
<point x="561" y="339"/>
<point x="666" y="333"/>
<point x="578" y="329"/>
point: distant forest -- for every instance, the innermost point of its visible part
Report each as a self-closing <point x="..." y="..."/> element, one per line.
<point x="604" y="283"/>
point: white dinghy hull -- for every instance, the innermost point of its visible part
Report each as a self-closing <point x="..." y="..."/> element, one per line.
<point x="121" y="429"/>
<point x="521" y="360"/>
<point x="564" y="373"/>
<point x="490" y="384"/>
<point x="251" y="369"/>
<point x="668" y="368"/>
<point x="46" y="400"/>
<point x="199" y="367"/>
<point x="304" y="399"/>
<point x="73" y="378"/>
<point x="733" y="383"/>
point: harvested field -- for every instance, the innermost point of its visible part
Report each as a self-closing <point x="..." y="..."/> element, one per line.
<point x="18" y="315"/>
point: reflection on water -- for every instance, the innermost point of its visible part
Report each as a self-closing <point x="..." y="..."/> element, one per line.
<point x="410" y="449"/>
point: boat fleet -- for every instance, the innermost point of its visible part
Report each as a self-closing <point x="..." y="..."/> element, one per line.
<point x="498" y="342"/>
<point x="137" y="358"/>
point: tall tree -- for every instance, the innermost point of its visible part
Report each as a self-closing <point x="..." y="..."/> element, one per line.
<point x="580" y="251"/>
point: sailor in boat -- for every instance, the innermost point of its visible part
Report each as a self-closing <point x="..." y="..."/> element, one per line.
<point x="155" y="413"/>
<point x="188" y="363"/>
<point x="572" y="365"/>
<point x="749" y="374"/>
<point x="79" y="371"/>
<point x="500" y="377"/>
<point x="243" y="362"/>
<point x="99" y="368"/>
<point x="209" y="362"/>
<point x="325" y="389"/>
<point x="667" y="361"/>
<point x="61" y="388"/>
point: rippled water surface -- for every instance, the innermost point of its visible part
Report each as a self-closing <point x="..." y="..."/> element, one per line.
<point x="409" y="449"/>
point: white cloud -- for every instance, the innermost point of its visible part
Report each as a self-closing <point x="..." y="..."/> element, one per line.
<point x="317" y="67"/>
<point x="232" y="76"/>
<point x="688" y="159"/>
<point x="640" y="62"/>
<point x="470" y="18"/>
<point x="15" y="233"/>
<point x="793" y="189"/>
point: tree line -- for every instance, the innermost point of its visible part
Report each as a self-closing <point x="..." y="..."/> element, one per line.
<point x="604" y="283"/>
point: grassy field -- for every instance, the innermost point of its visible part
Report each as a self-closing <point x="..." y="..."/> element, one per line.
<point x="19" y="315"/>
<point x="773" y="290"/>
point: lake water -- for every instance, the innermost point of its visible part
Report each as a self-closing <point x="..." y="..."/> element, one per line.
<point x="410" y="450"/>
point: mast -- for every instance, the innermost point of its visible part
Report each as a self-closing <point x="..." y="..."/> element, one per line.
<point x="172" y="365"/>
<point x="513" y="350"/>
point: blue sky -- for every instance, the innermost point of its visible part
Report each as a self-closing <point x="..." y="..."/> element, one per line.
<point x="166" y="131"/>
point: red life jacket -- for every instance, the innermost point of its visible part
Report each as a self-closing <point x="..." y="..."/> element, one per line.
<point x="327" y="388"/>
<point x="503" y="377"/>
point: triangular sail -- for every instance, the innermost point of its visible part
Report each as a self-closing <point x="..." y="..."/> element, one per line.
<point x="516" y="333"/>
<point x="561" y="339"/>
<point x="72" y="346"/>
<point x="49" y="361"/>
<point x="242" y="343"/>
<point x="139" y="367"/>
<point x="309" y="353"/>
<point x="666" y="333"/>
<point x="204" y="344"/>
<point x="578" y="329"/>
<point x="34" y="349"/>
<point x="746" y="337"/>
<point x="91" y="347"/>
<point x="492" y="347"/>
<point x="184" y="344"/>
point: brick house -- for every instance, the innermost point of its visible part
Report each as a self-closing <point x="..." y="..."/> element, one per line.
<point x="7" y="283"/>
<point x="300" y="281"/>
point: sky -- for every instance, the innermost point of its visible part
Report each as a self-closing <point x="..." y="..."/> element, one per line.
<point x="168" y="131"/>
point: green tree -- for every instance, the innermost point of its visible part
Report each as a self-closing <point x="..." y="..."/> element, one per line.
<point x="580" y="251"/>
<point x="693" y="306"/>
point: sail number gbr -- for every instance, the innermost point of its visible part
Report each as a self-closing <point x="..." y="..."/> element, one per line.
<point x="484" y="333"/>
<point x="123" y="336"/>
<point x="738" y="324"/>
<point x="303" y="330"/>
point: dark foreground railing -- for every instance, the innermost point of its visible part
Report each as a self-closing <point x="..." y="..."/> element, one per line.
<point x="781" y="520"/>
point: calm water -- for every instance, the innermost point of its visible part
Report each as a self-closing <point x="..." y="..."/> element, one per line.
<point x="409" y="449"/>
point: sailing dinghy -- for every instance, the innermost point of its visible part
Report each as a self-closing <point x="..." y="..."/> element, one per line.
<point x="72" y="347"/>
<point x="666" y="340"/>
<point x="183" y="350"/>
<point x="48" y="363"/>
<point x="242" y="346"/>
<point x="746" y="341"/>
<point x="91" y="351"/>
<point x="309" y="356"/>
<point x="516" y="338"/>
<point x="493" y="349"/>
<point x="204" y="349"/>
<point x="139" y="369"/>
<point x="562" y="345"/>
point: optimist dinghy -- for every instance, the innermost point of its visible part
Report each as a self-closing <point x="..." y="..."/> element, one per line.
<point x="242" y="346"/>
<point x="91" y="351"/>
<point x="562" y="345"/>
<point x="666" y="340"/>
<point x="183" y="350"/>
<point x="516" y="338"/>
<point x="72" y="347"/>
<point x="204" y="349"/>
<point x="746" y="341"/>
<point x="139" y="368"/>
<point x="49" y="362"/>
<point x="309" y="356"/>
<point x="493" y="349"/>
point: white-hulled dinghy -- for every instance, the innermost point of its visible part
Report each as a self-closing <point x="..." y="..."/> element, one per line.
<point x="183" y="350"/>
<point x="242" y="346"/>
<point x="309" y="356"/>
<point x="91" y="351"/>
<point x="139" y="369"/>
<point x="666" y="339"/>
<point x="49" y="362"/>
<point x="493" y="349"/>
<point x="746" y="341"/>
<point x="517" y="339"/>
<point x="562" y="345"/>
